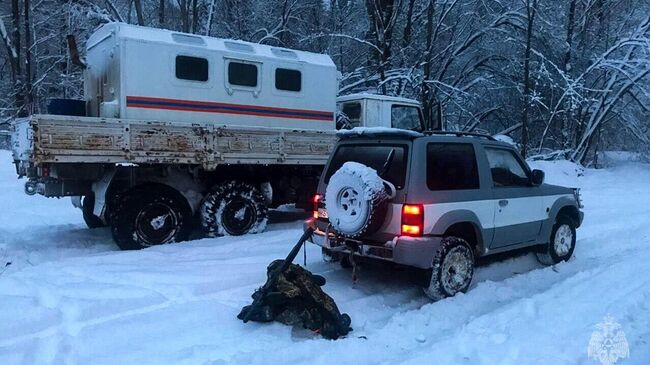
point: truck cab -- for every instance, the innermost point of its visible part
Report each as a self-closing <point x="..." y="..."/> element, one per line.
<point x="371" y="110"/>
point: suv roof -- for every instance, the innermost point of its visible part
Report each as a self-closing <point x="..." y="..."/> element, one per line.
<point x="392" y="133"/>
<point x="459" y="134"/>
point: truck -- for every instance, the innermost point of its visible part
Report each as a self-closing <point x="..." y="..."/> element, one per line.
<point x="179" y="130"/>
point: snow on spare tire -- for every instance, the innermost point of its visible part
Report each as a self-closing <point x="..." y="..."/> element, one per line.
<point x="356" y="200"/>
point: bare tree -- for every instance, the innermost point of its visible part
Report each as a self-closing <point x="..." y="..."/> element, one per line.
<point x="531" y="11"/>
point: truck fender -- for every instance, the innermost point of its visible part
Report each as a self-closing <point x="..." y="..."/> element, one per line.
<point x="190" y="189"/>
<point x="180" y="181"/>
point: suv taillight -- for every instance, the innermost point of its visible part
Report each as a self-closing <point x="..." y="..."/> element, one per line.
<point x="412" y="220"/>
<point x="316" y="200"/>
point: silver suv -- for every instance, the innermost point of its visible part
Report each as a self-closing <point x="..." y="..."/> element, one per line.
<point x="437" y="201"/>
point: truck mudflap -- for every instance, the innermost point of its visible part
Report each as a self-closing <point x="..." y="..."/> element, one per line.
<point x="410" y="251"/>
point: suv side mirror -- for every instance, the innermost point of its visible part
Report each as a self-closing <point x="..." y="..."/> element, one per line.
<point x="537" y="177"/>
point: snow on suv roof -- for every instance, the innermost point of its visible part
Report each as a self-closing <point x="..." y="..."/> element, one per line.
<point x="376" y="132"/>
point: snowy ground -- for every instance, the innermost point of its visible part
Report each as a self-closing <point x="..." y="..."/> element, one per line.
<point x="70" y="297"/>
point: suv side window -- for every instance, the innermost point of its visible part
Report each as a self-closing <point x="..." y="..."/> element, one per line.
<point x="506" y="168"/>
<point x="451" y="166"/>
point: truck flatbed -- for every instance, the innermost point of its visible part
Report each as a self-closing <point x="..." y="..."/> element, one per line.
<point x="42" y="139"/>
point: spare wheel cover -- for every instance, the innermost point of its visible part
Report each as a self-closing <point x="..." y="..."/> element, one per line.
<point x="353" y="197"/>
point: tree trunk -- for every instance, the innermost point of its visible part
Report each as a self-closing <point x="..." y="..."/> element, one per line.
<point x="427" y="94"/>
<point x="183" y="7"/>
<point x="11" y="51"/>
<point x="382" y="15"/>
<point x="138" y="12"/>
<point x="161" y="13"/>
<point x="408" y="28"/>
<point x="29" y="97"/>
<point x="568" y="120"/>
<point x="18" y="87"/>
<point x="531" y="8"/>
<point x="208" y="27"/>
<point x="195" y="16"/>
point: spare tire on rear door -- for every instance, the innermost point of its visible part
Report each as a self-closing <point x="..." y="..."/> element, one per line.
<point x="356" y="200"/>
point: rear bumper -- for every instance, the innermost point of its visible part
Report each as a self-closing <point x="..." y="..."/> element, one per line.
<point x="409" y="251"/>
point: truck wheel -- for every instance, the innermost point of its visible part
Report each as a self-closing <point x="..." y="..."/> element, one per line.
<point x="234" y="209"/>
<point x="87" y="206"/>
<point x="452" y="271"/>
<point x="148" y="215"/>
<point x="561" y="243"/>
<point x="356" y="200"/>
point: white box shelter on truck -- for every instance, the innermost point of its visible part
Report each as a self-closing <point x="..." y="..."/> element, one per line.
<point x="152" y="74"/>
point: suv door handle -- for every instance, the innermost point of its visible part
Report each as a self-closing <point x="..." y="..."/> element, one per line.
<point x="503" y="203"/>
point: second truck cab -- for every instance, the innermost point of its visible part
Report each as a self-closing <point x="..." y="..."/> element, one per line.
<point x="371" y="110"/>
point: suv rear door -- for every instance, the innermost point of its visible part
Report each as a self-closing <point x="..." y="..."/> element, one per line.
<point x="518" y="207"/>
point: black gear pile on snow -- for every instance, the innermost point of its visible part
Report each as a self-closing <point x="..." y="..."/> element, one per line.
<point x="297" y="300"/>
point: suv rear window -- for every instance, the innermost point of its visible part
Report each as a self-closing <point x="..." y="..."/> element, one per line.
<point x="374" y="156"/>
<point x="451" y="166"/>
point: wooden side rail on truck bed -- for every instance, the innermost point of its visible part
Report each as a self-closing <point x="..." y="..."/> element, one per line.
<point x="71" y="139"/>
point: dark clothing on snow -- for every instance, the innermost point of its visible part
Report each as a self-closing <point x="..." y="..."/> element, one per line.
<point x="296" y="299"/>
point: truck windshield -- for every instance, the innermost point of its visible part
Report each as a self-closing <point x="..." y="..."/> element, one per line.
<point x="406" y="117"/>
<point x="374" y="156"/>
<point x="349" y="116"/>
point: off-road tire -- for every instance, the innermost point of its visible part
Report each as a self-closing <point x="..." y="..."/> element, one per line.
<point x="134" y="213"/>
<point x="551" y="254"/>
<point x="87" y="206"/>
<point x="220" y="210"/>
<point x="440" y="284"/>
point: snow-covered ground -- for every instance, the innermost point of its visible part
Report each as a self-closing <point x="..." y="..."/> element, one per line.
<point x="70" y="297"/>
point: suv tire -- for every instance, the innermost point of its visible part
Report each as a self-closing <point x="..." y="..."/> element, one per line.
<point x="452" y="271"/>
<point x="356" y="200"/>
<point x="149" y="215"/>
<point x="561" y="243"/>
<point x="234" y="208"/>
